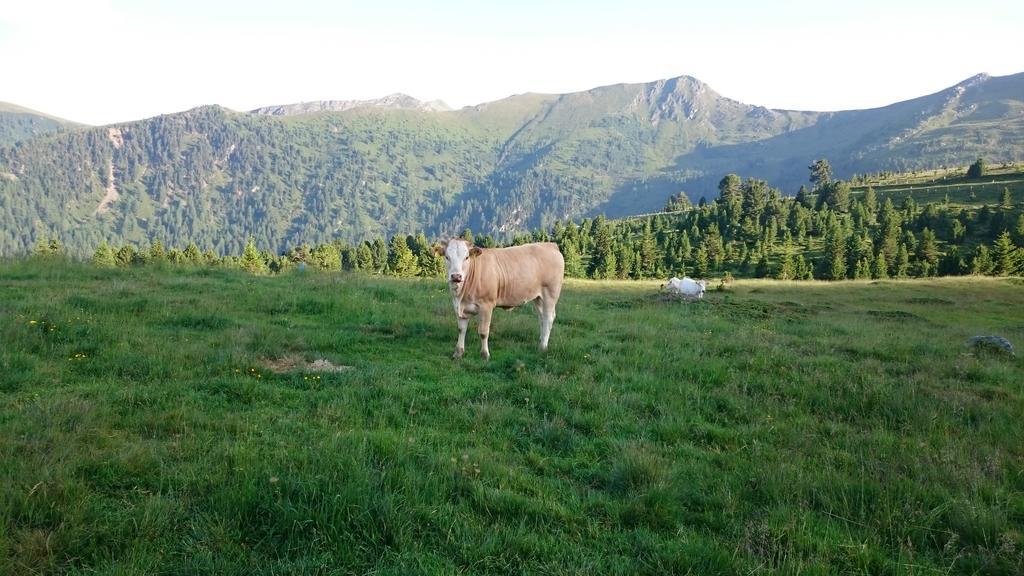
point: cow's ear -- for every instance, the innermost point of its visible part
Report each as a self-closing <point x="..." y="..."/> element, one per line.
<point x="438" y="249"/>
<point x="475" y="251"/>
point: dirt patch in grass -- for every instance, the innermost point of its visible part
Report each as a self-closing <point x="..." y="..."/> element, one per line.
<point x="928" y="300"/>
<point x="895" y="315"/>
<point x="292" y="363"/>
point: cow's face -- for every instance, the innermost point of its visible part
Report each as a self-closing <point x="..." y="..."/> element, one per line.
<point x="457" y="253"/>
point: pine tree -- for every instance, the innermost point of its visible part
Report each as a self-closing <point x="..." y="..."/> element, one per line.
<point x="821" y="174"/>
<point x="730" y="197"/>
<point x="364" y="257"/>
<point x="888" y="234"/>
<point x="833" y="264"/>
<point x="976" y="170"/>
<point x="787" y="270"/>
<point x="623" y="260"/>
<point x="762" y="267"/>
<point x="176" y="256"/>
<point x="863" y="270"/>
<point x="648" y="252"/>
<point x="325" y="257"/>
<point x="928" y="253"/>
<point x="431" y="265"/>
<point x="380" y="255"/>
<point x="401" y="260"/>
<point x="192" y="254"/>
<point x="700" y="264"/>
<point x="104" y="256"/>
<point x="156" y="251"/>
<point x="1004" y="255"/>
<point x="806" y="268"/>
<point x="981" y="264"/>
<point x="880" y="270"/>
<point x="902" y="265"/>
<point x="125" y="255"/>
<point x="573" y="262"/>
<point x="252" y="260"/>
<point x="803" y="197"/>
<point x="870" y="201"/>
<point x="48" y="247"/>
<point x="958" y="231"/>
<point x="1005" y="199"/>
<point x="602" y="259"/>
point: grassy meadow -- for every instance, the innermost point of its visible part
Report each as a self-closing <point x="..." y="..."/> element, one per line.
<point x="164" y="421"/>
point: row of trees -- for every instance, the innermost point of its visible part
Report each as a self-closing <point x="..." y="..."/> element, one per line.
<point x="825" y="232"/>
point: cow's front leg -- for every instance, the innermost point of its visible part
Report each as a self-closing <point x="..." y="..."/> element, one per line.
<point x="484" y="329"/>
<point x="460" y="346"/>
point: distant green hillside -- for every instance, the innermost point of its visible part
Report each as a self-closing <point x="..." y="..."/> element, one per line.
<point x="215" y="177"/>
<point x="18" y="123"/>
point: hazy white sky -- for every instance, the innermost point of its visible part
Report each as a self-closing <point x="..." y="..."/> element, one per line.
<point x="104" y="61"/>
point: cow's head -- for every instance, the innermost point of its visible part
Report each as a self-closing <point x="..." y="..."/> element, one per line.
<point x="457" y="253"/>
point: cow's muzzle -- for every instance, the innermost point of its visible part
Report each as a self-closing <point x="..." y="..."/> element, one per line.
<point x="456" y="278"/>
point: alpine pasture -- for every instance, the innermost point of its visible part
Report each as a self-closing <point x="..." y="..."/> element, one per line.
<point x="168" y="421"/>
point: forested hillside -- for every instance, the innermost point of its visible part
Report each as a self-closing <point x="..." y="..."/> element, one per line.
<point x="17" y="124"/>
<point x="830" y="232"/>
<point x="216" y="177"/>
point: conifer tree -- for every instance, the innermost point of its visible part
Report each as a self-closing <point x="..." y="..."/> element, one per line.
<point x="902" y="266"/>
<point x="863" y="270"/>
<point x="104" y="256"/>
<point x="573" y="262"/>
<point x="252" y="260"/>
<point x="380" y="255"/>
<point x="787" y="270"/>
<point x="1004" y="255"/>
<point x="192" y="254"/>
<point x="156" y="251"/>
<point x="325" y="257"/>
<point x="602" y="259"/>
<point x="880" y="270"/>
<point x="871" y="202"/>
<point x="833" y="263"/>
<point x="762" y="266"/>
<point x="648" y="254"/>
<point x="700" y="263"/>
<point x="928" y="253"/>
<point x="981" y="264"/>
<point x="125" y="255"/>
<point x="401" y="260"/>
<point x="364" y="257"/>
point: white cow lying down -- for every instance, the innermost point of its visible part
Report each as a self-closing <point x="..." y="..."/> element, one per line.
<point x="687" y="287"/>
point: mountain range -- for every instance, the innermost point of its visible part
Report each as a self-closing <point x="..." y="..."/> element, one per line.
<point x="353" y="170"/>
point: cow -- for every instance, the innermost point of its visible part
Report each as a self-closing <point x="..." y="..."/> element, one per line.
<point x="481" y="279"/>
<point x="687" y="287"/>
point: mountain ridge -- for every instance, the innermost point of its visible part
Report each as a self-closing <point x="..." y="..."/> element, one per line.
<point x="19" y="123"/>
<point x="396" y="100"/>
<point x="216" y="175"/>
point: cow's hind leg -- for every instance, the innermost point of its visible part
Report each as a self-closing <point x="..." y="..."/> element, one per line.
<point x="484" y="328"/>
<point x="460" y="346"/>
<point x="548" y="300"/>
<point x="538" y="304"/>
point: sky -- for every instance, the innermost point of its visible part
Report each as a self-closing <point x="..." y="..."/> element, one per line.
<point x="107" y="61"/>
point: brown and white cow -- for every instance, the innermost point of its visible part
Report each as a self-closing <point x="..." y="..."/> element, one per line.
<point x="482" y="278"/>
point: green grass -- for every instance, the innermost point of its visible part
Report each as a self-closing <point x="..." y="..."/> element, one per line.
<point x="936" y="186"/>
<point x="773" y="428"/>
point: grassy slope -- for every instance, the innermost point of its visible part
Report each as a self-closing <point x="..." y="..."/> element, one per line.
<point x="809" y="427"/>
<point x="936" y="185"/>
